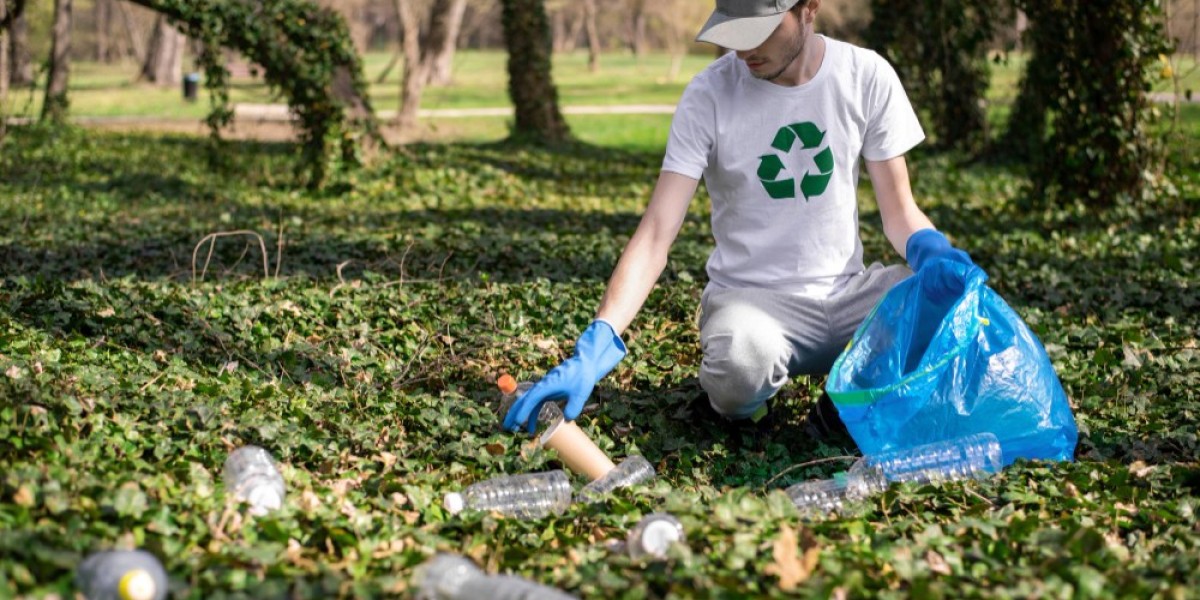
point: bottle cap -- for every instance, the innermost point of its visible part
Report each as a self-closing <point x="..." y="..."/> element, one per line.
<point x="658" y="533"/>
<point x="263" y="499"/>
<point x="507" y="384"/>
<point x="136" y="585"/>
<point x="454" y="502"/>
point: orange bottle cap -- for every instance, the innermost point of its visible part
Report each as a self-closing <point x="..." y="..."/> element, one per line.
<point x="507" y="384"/>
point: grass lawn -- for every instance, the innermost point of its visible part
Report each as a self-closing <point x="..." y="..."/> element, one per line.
<point x="363" y="356"/>
<point x="480" y="81"/>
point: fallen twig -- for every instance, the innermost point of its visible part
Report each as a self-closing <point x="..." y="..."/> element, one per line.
<point x="809" y="464"/>
<point x="212" y="246"/>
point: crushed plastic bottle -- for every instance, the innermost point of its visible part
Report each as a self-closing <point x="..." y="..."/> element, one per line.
<point x="451" y="577"/>
<point x="524" y="496"/>
<point x="251" y="475"/>
<point x="654" y="535"/>
<point x="975" y="456"/>
<point x="121" y="575"/>
<point x="632" y="471"/>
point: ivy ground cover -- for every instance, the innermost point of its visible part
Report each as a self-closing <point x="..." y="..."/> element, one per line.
<point x="356" y="333"/>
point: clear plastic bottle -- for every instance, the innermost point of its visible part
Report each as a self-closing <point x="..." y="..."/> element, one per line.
<point x="451" y="577"/>
<point x="974" y="456"/>
<point x="251" y="475"/>
<point x="524" y="496"/>
<point x="121" y="575"/>
<point x="653" y="536"/>
<point x="632" y="471"/>
<point x="821" y="496"/>
<point x="511" y="389"/>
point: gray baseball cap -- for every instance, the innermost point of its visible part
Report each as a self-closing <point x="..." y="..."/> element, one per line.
<point x="743" y="24"/>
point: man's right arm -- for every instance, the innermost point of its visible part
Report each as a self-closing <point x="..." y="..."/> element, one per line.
<point x="645" y="256"/>
<point x="600" y="348"/>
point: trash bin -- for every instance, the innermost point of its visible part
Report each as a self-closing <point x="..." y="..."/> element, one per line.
<point x="191" y="83"/>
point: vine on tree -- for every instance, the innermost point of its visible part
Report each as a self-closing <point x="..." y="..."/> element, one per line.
<point x="306" y="53"/>
<point x="1083" y="113"/>
<point x="940" y="50"/>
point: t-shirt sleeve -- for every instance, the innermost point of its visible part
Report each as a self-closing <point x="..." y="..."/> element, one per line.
<point x="693" y="129"/>
<point x="892" y="125"/>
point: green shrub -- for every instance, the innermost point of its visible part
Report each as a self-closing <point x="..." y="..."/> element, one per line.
<point x="939" y="48"/>
<point x="306" y="53"/>
<point x="1083" y="112"/>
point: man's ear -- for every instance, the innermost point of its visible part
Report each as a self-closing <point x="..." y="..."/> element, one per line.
<point x="810" y="11"/>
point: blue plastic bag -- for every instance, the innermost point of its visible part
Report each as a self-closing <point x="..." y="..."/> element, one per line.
<point x="927" y="365"/>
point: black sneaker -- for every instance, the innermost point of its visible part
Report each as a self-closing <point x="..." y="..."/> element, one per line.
<point x="700" y="409"/>
<point x="823" y="422"/>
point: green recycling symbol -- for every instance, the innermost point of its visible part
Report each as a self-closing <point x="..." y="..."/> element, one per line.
<point x="770" y="166"/>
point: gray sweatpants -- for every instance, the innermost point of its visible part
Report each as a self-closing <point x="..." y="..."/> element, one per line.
<point x="755" y="340"/>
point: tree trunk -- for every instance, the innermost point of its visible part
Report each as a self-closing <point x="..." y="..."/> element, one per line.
<point x="637" y="34"/>
<point x="131" y="33"/>
<point x="558" y="31"/>
<point x="530" y="84"/>
<point x="54" y="108"/>
<point x="437" y="53"/>
<point x="20" y="65"/>
<point x="3" y="72"/>
<point x="593" y="35"/>
<point x="414" y="77"/>
<point x="102" y="11"/>
<point x="571" y="37"/>
<point x="164" y="55"/>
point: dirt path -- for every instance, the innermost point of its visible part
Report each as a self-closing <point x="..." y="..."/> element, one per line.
<point x="271" y="122"/>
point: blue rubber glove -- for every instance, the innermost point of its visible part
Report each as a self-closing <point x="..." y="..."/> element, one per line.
<point x="597" y="352"/>
<point x="928" y="246"/>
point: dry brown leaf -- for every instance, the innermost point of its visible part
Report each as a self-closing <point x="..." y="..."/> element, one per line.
<point x="1125" y="507"/>
<point x="295" y="555"/>
<point x="309" y="501"/>
<point x="478" y="553"/>
<point x="24" y="497"/>
<point x="1140" y="469"/>
<point x="347" y="508"/>
<point x="342" y="486"/>
<point x="791" y="568"/>
<point x="1070" y="490"/>
<point x="388" y="548"/>
<point x="387" y="458"/>
<point x="107" y="312"/>
<point x="937" y="563"/>
<point x="495" y="448"/>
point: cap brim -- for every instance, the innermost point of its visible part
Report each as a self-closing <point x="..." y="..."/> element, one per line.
<point x="738" y="33"/>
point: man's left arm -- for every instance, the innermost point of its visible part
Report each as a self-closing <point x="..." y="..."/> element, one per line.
<point x="910" y="231"/>
<point x="893" y="194"/>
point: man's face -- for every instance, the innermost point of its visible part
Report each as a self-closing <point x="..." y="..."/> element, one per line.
<point x="773" y="56"/>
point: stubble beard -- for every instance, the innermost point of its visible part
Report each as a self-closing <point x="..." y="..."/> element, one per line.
<point x="794" y="52"/>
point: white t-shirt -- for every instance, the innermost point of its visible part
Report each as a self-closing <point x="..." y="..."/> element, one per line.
<point x="782" y="162"/>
